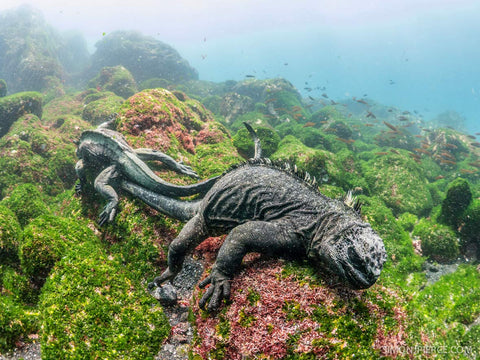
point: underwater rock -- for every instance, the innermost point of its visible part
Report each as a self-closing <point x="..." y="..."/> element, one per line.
<point x="14" y="106"/>
<point x="233" y="105"/>
<point x="144" y="56"/>
<point x="165" y="294"/>
<point x="40" y="153"/>
<point x="456" y="201"/>
<point x="100" y="106"/>
<point x="10" y="236"/>
<point x="29" y="50"/>
<point x="399" y="181"/>
<point x="269" y="140"/>
<point x="116" y="79"/>
<point x="438" y="242"/>
<point x="3" y="88"/>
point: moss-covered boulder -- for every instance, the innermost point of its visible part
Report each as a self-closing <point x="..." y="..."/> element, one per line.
<point x="14" y="106"/>
<point x="116" y="79"/>
<point x="39" y="153"/>
<point x="286" y="311"/>
<point x="398" y="180"/>
<point x="470" y="228"/>
<point x="439" y="242"/>
<point x="100" y="107"/>
<point x="46" y="240"/>
<point x="456" y="201"/>
<point x="10" y="236"/>
<point x="3" y="88"/>
<point x="91" y="308"/>
<point x="16" y="322"/>
<point x="26" y="202"/>
<point x="180" y="126"/>
<point x="144" y="56"/>
<point x="269" y="140"/>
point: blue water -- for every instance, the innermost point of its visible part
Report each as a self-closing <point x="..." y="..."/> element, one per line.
<point x="421" y="55"/>
<point x="429" y="63"/>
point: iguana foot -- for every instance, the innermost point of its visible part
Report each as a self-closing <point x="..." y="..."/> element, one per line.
<point x="78" y="189"/>
<point x="218" y="290"/>
<point x="108" y="214"/>
<point x="167" y="275"/>
<point x="187" y="170"/>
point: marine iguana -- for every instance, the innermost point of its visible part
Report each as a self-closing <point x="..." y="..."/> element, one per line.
<point x="110" y="156"/>
<point x="269" y="209"/>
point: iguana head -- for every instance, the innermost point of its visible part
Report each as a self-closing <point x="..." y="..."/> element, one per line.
<point x="350" y="249"/>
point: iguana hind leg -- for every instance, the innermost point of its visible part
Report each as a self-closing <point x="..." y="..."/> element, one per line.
<point x="103" y="187"/>
<point x="254" y="236"/>
<point x="192" y="234"/>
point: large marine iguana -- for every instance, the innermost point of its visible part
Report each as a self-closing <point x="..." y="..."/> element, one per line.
<point x="269" y="209"/>
<point x="109" y="155"/>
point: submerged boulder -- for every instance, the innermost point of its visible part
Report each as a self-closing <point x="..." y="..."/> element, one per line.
<point x="3" y="88"/>
<point x="144" y="56"/>
<point x="456" y="201"/>
<point x="14" y="106"/>
<point x="116" y="79"/>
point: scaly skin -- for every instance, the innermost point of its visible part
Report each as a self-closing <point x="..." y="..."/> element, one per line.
<point x="107" y="152"/>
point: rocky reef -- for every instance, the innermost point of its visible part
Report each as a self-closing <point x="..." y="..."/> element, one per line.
<point x="80" y="290"/>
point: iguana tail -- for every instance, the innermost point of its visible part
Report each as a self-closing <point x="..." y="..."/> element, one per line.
<point x="178" y="209"/>
<point x="256" y="141"/>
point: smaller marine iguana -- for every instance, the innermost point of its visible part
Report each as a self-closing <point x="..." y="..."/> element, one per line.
<point x="108" y="154"/>
<point x="269" y="209"/>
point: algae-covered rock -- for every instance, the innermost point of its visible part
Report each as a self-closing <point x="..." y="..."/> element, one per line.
<point x="398" y="180"/>
<point x="407" y="221"/>
<point x="101" y="106"/>
<point x="438" y="241"/>
<point x="26" y="202"/>
<point x="46" y="240"/>
<point x="144" y="56"/>
<point x="91" y="308"/>
<point x="269" y="140"/>
<point x="10" y="235"/>
<point x="3" y="88"/>
<point x="29" y="49"/>
<point x="16" y="322"/>
<point x="286" y="310"/>
<point x="38" y="153"/>
<point x="456" y="201"/>
<point x="470" y="229"/>
<point x="177" y="125"/>
<point x="14" y="106"/>
<point x="116" y="79"/>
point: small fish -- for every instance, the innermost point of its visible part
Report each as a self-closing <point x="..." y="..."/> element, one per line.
<point x="447" y="155"/>
<point x="476" y="144"/>
<point x="249" y="76"/>
<point x="450" y="146"/>
<point x="390" y="110"/>
<point x="422" y="151"/>
<point x="370" y="114"/>
<point x="361" y="101"/>
<point x="471" y="137"/>
<point x="381" y="153"/>
<point x="391" y="126"/>
<point x="394" y="151"/>
<point x="325" y="96"/>
<point x="285" y="64"/>
<point x="309" y="124"/>
<point x="439" y="177"/>
<point x="478" y="133"/>
<point x="308" y="89"/>
<point x="369" y="125"/>
<point x="447" y="162"/>
<point x="474" y="164"/>
<point x="402" y="118"/>
<point x="333" y="102"/>
<point x="346" y="141"/>
<point x="467" y="171"/>
<point x="391" y="82"/>
<point x="406" y="112"/>
<point x="311" y="98"/>
<point x="418" y="136"/>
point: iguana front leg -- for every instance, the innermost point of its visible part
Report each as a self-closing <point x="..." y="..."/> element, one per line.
<point x="150" y="154"/>
<point x="192" y="234"/>
<point x="82" y="177"/>
<point x="103" y="187"/>
<point x="254" y="236"/>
